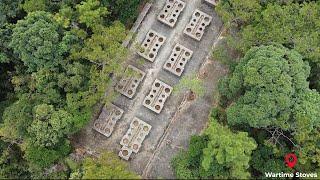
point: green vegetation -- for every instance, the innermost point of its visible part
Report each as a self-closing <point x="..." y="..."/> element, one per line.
<point x="218" y="153"/>
<point x="190" y="83"/>
<point x="56" y="61"/>
<point x="108" y="166"/>
<point x="289" y="23"/>
<point x="269" y="103"/>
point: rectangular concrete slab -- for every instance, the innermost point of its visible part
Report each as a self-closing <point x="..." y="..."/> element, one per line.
<point x="134" y="137"/>
<point x="212" y="2"/>
<point x="107" y="120"/>
<point x="171" y="11"/>
<point x="129" y="83"/>
<point x="151" y="45"/>
<point x="158" y="95"/>
<point x="178" y="59"/>
<point x="197" y="25"/>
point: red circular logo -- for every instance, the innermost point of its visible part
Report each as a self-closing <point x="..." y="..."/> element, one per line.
<point x="291" y="160"/>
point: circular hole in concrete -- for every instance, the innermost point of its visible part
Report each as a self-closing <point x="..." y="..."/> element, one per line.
<point x="181" y="64"/>
<point x="197" y="14"/>
<point x="170" y="1"/>
<point x="206" y="19"/>
<point x="160" y="100"/>
<point x="151" y="55"/>
<point x="135" y="146"/>
<point x="174" y="54"/>
<point x="118" y="113"/>
<point x="154" y="49"/>
<point x="154" y="91"/>
<point x="167" y="90"/>
<point x="194" y="20"/>
<point x="157" y="107"/>
<point x="163" y="96"/>
<point x="171" y="20"/>
<point x="198" y="35"/>
<point x="157" y="45"/>
<point x="183" y="59"/>
<point x="124" y="152"/>
<point x="130" y="92"/>
<point x="125" y="141"/>
<point x="172" y="59"/>
<point x="200" y="29"/>
<point x="162" y="16"/>
<point x="203" y="24"/>
<point x="151" y="34"/>
<point x="157" y="84"/>
<point x="178" y="48"/>
<point x="187" y="54"/>
<point x="107" y="130"/>
<point x="160" y="39"/>
<point x="148" y="40"/>
<point x="145" y="128"/>
<point x="188" y="29"/>
<point x="97" y="125"/>
<point x="151" y="96"/>
<point x="135" y="81"/>
<point x="146" y="45"/>
<point x="174" y="15"/>
<point x="178" y="70"/>
<point x="180" y="5"/>
<point x="147" y="102"/>
<point x="168" y="65"/>
<point x="135" y="123"/>
<point x="133" y="86"/>
<point x="168" y="6"/>
<point x="191" y="24"/>
<point x="165" y="11"/>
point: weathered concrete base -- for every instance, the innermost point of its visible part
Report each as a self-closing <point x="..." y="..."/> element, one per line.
<point x="178" y="59"/>
<point x="157" y="96"/>
<point x="128" y="84"/>
<point x="197" y="25"/>
<point x="151" y="45"/>
<point x="171" y="11"/>
<point x="107" y="120"/>
<point x="134" y="137"/>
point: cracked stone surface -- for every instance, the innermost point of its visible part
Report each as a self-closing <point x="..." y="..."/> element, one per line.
<point x="171" y="130"/>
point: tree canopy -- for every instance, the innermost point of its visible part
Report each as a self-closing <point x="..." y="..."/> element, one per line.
<point x="267" y="81"/>
<point x="55" y="62"/>
<point x="291" y="23"/>
<point x="37" y="41"/>
<point x="218" y="153"/>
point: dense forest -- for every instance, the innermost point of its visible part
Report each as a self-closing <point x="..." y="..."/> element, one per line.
<point x="269" y="104"/>
<point x="56" y="61"/>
